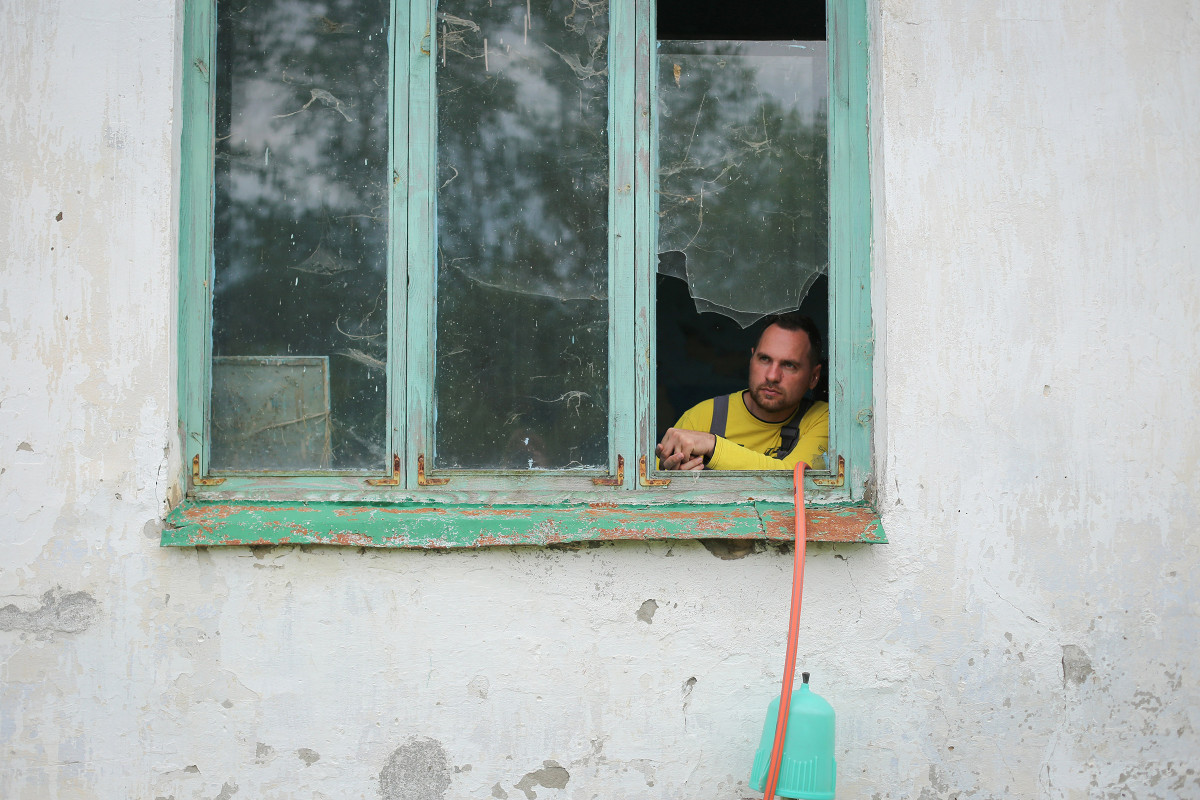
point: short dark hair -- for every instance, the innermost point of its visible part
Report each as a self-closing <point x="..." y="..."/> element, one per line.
<point x="795" y="321"/>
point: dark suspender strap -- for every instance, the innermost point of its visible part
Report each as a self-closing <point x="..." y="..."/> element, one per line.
<point x="789" y="434"/>
<point x="720" y="417"/>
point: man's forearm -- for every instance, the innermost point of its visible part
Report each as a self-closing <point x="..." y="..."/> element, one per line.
<point x="730" y="455"/>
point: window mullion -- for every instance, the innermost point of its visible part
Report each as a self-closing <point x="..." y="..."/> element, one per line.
<point x="623" y="242"/>
<point x="645" y="233"/>
<point x="398" y="239"/>
<point x="416" y="51"/>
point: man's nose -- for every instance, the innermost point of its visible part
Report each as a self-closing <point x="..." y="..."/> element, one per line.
<point x="774" y="373"/>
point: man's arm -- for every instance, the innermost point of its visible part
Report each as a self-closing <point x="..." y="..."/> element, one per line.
<point x="688" y="444"/>
<point x="810" y="448"/>
<point x="684" y="449"/>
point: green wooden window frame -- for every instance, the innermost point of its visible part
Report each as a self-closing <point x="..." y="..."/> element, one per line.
<point x="475" y="508"/>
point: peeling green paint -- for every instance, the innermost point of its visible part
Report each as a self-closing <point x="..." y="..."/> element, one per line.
<point x="425" y="525"/>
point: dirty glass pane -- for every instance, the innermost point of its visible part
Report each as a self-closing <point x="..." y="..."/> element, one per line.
<point x="272" y="410"/>
<point x="300" y="236"/>
<point x="522" y="306"/>
<point x="742" y="181"/>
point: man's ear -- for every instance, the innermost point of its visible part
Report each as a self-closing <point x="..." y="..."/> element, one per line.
<point x="816" y="377"/>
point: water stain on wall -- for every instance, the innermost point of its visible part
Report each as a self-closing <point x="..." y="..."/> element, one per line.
<point x="417" y="770"/>
<point x="60" y="612"/>
<point x="478" y="687"/>
<point x="688" y="685"/>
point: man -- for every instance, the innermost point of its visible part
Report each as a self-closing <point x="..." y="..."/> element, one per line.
<point x="758" y="422"/>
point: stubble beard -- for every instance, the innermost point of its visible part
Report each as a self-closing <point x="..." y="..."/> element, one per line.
<point x="778" y="402"/>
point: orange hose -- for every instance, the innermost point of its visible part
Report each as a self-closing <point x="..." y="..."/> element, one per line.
<point x="789" y="668"/>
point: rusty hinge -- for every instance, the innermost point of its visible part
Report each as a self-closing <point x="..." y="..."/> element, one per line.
<point x="197" y="480"/>
<point x="613" y="480"/>
<point x="840" y="480"/>
<point x="421" y="45"/>
<point x="391" y="480"/>
<point x="424" y="481"/>
<point x="650" y="481"/>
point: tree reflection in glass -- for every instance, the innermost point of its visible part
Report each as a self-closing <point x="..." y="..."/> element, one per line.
<point x="742" y="180"/>
<point x="301" y="230"/>
<point x="522" y="227"/>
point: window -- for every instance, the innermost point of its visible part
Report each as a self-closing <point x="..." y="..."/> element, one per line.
<point x="422" y="251"/>
<point x="741" y="189"/>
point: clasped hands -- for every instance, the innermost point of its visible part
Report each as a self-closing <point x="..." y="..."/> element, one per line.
<point x="685" y="450"/>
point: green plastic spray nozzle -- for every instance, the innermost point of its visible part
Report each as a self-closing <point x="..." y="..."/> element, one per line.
<point x="807" y="770"/>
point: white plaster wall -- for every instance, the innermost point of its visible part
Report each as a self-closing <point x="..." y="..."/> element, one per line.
<point x="1031" y="631"/>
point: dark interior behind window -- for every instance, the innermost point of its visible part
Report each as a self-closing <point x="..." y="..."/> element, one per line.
<point x="771" y="20"/>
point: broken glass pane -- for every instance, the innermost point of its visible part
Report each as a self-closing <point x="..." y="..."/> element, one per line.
<point x="522" y="227"/>
<point x="742" y="185"/>
<point x="301" y="232"/>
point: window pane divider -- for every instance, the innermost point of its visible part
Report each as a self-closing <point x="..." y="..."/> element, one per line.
<point x="418" y="50"/>
<point x="622" y="241"/>
<point x="398" y="243"/>
<point x="645" y="230"/>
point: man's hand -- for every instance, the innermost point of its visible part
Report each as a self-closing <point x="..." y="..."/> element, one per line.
<point x="685" y="450"/>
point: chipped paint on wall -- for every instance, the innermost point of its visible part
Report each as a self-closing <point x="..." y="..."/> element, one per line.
<point x="645" y="612"/>
<point x="417" y="770"/>
<point x="551" y="776"/>
<point x="58" y="612"/>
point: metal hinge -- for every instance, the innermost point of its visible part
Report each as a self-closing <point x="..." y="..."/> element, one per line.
<point x="422" y="480"/>
<point x="613" y="480"/>
<point x="391" y="480"/>
<point x="421" y="45"/>
<point x="197" y="480"/>
<point x="650" y="481"/>
<point x="840" y="480"/>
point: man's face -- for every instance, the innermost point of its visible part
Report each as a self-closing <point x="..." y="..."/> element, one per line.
<point x="781" y="373"/>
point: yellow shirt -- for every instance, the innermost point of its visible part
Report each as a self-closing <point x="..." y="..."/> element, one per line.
<point x="747" y="438"/>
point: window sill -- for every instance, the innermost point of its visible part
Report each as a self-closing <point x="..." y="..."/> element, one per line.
<point x="208" y="523"/>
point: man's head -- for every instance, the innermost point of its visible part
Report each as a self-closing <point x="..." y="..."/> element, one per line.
<point x="784" y="366"/>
